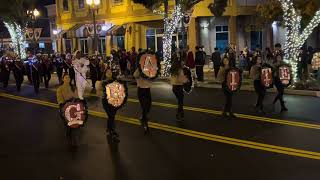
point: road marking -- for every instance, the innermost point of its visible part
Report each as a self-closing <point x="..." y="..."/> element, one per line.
<point x="215" y="112"/>
<point x="189" y="133"/>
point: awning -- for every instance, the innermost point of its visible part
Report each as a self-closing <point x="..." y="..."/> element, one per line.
<point x="75" y="27"/>
<point x="116" y="30"/>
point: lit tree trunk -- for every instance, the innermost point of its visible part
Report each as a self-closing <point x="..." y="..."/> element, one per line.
<point x="170" y="25"/>
<point x="18" y="38"/>
<point x="294" y="37"/>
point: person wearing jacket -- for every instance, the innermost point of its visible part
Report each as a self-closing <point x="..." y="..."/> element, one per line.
<point x="144" y="96"/>
<point x="64" y="93"/>
<point x="255" y="75"/>
<point x="80" y="66"/>
<point x="177" y="80"/>
<point x="216" y="59"/>
<point x="279" y="86"/>
<point x="109" y="109"/>
<point x="228" y="95"/>
<point x="190" y="63"/>
<point x="199" y="62"/>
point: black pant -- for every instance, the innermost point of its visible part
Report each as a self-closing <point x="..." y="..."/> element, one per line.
<point x="199" y="71"/>
<point x="216" y="70"/>
<point x="47" y="77"/>
<point x="94" y="78"/>
<point x="261" y="92"/>
<point x="35" y="80"/>
<point x="144" y="96"/>
<point x="228" y="101"/>
<point x="178" y="92"/>
<point x="5" y="77"/>
<point x="111" y="113"/>
<point x="18" y="76"/>
<point x="59" y="73"/>
<point x="280" y="93"/>
<point x="72" y="75"/>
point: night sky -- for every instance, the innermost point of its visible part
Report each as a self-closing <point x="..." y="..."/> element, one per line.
<point x="42" y="23"/>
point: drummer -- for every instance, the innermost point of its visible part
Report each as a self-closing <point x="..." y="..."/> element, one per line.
<point x="64" y="93"/>
<point x="111" y="111"/>
<point x="177" y="80"/>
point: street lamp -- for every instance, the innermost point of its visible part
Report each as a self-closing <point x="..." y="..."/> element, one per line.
<point x="93" y="7"/>
<point x="33" y="14"/>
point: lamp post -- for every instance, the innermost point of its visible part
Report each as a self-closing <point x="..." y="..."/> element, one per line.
<point x="93" y="7"/>
<point x="33" y="14"/>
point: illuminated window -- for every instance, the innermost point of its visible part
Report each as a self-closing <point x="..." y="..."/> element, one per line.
<point x="42" y="46"/>
<point x="81" y="4"/>
<point x="222" y="37"/>
<point x="117" y="2"/>
<point x="65" y="5"/>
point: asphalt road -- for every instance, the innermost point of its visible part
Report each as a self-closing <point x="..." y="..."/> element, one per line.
<point x="204" y="146"/>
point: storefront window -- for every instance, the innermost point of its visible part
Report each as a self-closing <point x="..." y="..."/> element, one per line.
<point x="65" y="5"/>
<point x="120" y="42"/>
<point x="117" y="2"/>
<point x="81" y="4"/>
<point x="102" y="46"/>
<point x="84" y="46"/>
<point x="256" y="39"/>
<point x="222" y="37"/>
<point x="68" y="45"/>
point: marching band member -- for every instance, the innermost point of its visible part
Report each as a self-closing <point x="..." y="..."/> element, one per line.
<point x="177" y="80"/>
<point x="46" y="69"/>
<point x="279" y="85"/>
<point x="59" y="67"/>
<point x="94" y="71"/>
<point x="228" y="95"/>
<point x="255" y="74"/>
<point x="18" y="71"/>
<point x="110" y="110"/>
<point x="5" y="65"/>
<point x="66" y="92"/>
<point x="144" y="96"/>
<point x="80" y="66"/>
<point x="34" y="70"/>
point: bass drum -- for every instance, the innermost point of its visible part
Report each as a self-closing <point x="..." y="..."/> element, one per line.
<point x="284" y="73"/>
<point x="188" y="86"/>
<point x="267" y="75"/>
<point x="149" y="66"/>
<point x="233" y="80"/>
<point x="116" y="94"/>
<point x="74" y="112"/>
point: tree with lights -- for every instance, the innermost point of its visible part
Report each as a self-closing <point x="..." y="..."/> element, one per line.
<point x="299" y="17"/>
<point x="171" y="22"/>
<point x="13" y="15"/>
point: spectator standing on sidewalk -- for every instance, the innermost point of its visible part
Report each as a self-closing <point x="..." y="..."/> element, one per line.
<point x="190" y="63"/>
<point x="199" y="62"/>
<point x="216" y="59"/>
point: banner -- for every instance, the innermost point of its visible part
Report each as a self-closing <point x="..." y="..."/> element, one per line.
<point x="233" y="79"/>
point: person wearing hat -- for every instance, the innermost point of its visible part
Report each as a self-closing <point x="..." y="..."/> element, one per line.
<point x="80" y="66"/>
<point x="18" y="71"/>
<point x="35" y="71"/>
<point x="5" y="66"/>
<point x="59" y="67"/>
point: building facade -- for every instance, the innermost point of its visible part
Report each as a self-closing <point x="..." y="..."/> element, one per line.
<point x="123" y="24"/>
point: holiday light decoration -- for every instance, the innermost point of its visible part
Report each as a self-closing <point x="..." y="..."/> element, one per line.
<point x="170" y="26"/>
<point x="17" y="37"/>
<point x="294" y="38"/>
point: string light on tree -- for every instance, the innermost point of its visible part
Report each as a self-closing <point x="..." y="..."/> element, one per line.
<point x="170" y="26"/>
<point x="294" y="38"/>
<point x="18" y="38"/>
